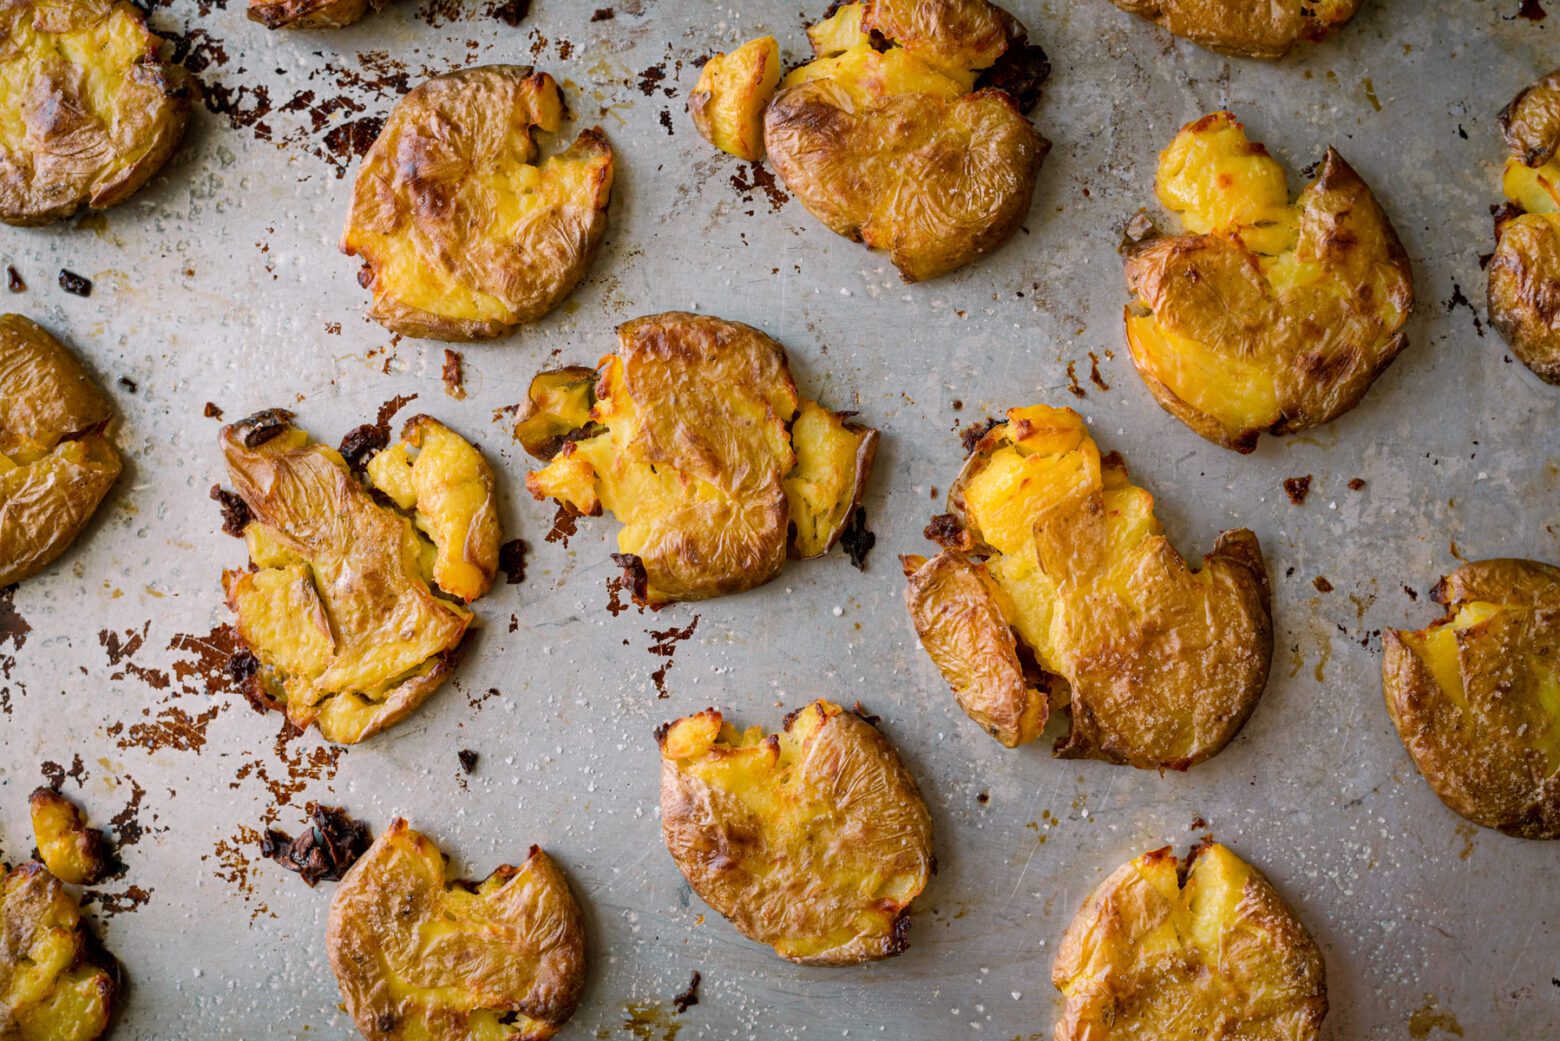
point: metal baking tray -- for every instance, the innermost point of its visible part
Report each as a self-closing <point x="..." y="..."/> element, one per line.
<point x="220" y="282"/>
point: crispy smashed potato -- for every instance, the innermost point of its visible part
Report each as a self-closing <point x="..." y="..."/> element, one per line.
<point x="463" y="234"/>
<point x="907" y="130"/>
<point x="1476" y="695"/>
<point x="88" y="111"/>
<point x="728" y="102"/>
<point x="311" y="14"/>
<point x="57" y="457"/>
<point x="814" y="840"/>
<point x="1243" y="28"/>
<point x="1056" y="580"/>
<point x="1264" y="315"/>
<point x="1524" y="274"/>
<point x="71" y="851"/>
<point x="339" y="603"/>
<point x="421" y="957"/>
<point x="56" y="984"/>
<point x="694" y="436"/>
<point x="1151" y="957"/>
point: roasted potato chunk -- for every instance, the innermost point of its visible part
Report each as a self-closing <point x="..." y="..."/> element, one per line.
<point x="1056" y="575"/>
<point x="71" y="851"/>
<point x="56" y="984"/>
<point x="1476" y="695"/>
<point x="339" y="603"/>
<point x="1151" y="957"/>
<point x="694" y="436"/>
<point x="420" y="957"/>
<point x="907" y="131"/>
<point x="463" y="234"/>
<point x="57" y="456"/>
<point x="814" y="840"/>
<point x="728" y="102"/>
<point x="311" y="14"/>
<point x="88" y="111"/>
<point x="1263" y="316"/>
<point x="1245" y="29"/>
<point x="1524" y="274"/>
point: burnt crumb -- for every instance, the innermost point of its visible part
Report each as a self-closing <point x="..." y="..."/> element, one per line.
<point x="235" y="511"/>
<point x="1021" y="70"/>
<point x="857" y="539"/>
<point x="603" y="14"/>
<point x="111" y="905"/>
<point x="510" y="12"/>
<point x="1458" y="299"/>
<point x="983" y="798"/>
<point x="565" y="523"/>
<point x="468" y="760"/>
<point x="945" y="530"/>
<point x="1198" y="823"/>
<point x="323" y="851"/>
<point x="1355" y="484"/>
<point x="1532" y="10"/>
<point x="363" y="443"/>
<point x="1073" y="386"/>
<point x="690" y="995"/>
<point x="511" y="560"/>
<point x="1308" y="172"/>
<point x="129" y="384"/>
<point x="650" y="79"/>
<point x="900" y="940"/>
<point x="1412" y="594"/>
<point x="454" y="374"/>
<point x="263" y="426"/>
<point x="666" y="121"/>
<point x="13" y="280"/>
<point x="1322" y="585"/>
<point x="242" y="667"/>
<point x="1094" y="372"/>
<point x="661" y="732"/>
<point x="664" y="645"/>
<point x="1297" y="488"/>
<point x="56" y="774"/>
<point x="352" y="140"/>
<point x="758" y="178"/>
<point x="970" y="436"/>
<point x="74" y="283"/>
<point x="211" y="411"/>
<point x="956" y="405"/>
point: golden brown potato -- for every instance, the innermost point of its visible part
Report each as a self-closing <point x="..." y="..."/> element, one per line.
<point x="421" y="957"/>
<point x="1243" y="28"/>
<point x="1524" y="274"/>
<point x="339" y="603"/>
<point x="1055" y="566"/>
<point x="1476" y="695"/>
<point x="814" y="840"/>
<point x="56" y="984"/>
<point x="71" y="851"/>
<point x="728" y="102"/>
<point x="463" y="234"/>
<point x="1152" y="958"/>
<point x="694" y="436"/>
<point x="1263" y="316"/>
<point x="88" y="111"/>
<point x="57" y="458"/>
<point x="311" y="14"/>
<point x="920" y="147"/>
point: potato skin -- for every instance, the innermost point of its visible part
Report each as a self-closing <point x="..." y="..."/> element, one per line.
<point x="727" y="104"/>
<point x="1485" y="762"/>
<point x="71" y="154"/>
<point x="37" y="918"/>
<point x="1530" y="122"/>
<point x="1242" y="28"/>
<point x="311" y="14"/>
<point x="1524" y="274"/>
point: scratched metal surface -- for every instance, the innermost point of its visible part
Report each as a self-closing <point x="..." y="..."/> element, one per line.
<point x="220" y="282"/>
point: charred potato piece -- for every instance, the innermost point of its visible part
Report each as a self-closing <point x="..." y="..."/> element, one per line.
<point x="694" y="436"/>
<point x="57" y="460"/>
<point x="1242" y="28"/>
<point x="1263" y="316"/>
<point x="814" y="840"/>
<point x="88" y="111"/>
<point x="1476" y="695"/>
<point x="1163" y="951"/>
<point x="1058" y="566"/>
<point x="728" y="102"/>
<point x="71" y="851"/>
<point x="311" y="14"/>
<point x="56" y="984"/>
<point x="338" y="604"/>
<point x="463" y="234"/>
<point x="421" y="957"/>
<point x="1524" y="274"/>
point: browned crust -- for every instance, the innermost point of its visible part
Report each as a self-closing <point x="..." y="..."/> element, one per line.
<point x="1239" y="27"/>
<point x="311" y="14"/>
<point x="1530" y="122"/>
<point x="1524" y="293"/>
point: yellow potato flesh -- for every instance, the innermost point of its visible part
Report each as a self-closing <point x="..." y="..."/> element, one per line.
<point x="867" y="74"/>
<point x="1535" y="190"/>
<point x="49" y="993"/>
<point x="60" y="834"/>
<point x="1243" y="394"/>
<point x="1218" y="182"/>
<point x="839" y="32"/>
<point x="739" y="86"/>
<point x="821" y="489"/>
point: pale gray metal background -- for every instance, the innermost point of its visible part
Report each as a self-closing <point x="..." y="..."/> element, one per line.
<point x="221" y="282"/>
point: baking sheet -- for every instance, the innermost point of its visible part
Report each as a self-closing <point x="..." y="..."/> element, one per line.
<point x="221" y="283"/>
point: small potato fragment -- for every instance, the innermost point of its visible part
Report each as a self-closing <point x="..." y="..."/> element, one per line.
<point x="311" y="14"/>
<point x="56" y="984"/>
<point x="422" y="957"/>
<point x="814" y="840"/>
<point x="1152" y="958"/>
<point x="833" y="458"/>
<point x="557" y="404"/>
<point x="728" y="102"/>
<point x="1476" y="695"/>
<point x="1524" y="273"/>
<point x="71" y="851"/>
<point x="1245" y="29"/>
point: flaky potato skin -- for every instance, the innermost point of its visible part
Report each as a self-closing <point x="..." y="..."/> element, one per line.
<point x="451" y="249"/>
<point x="57" y="457"/>
<point x="826" y="880"/>
<point x="311" y="14"/>
<point x="56" y="982"/>
<point x="420" y="956"/>
<point x="1530" y="122"/>
<point x="1492" y="757"/>
<point x="1242" y="28"/>
<point x="69" y="153"/>
<point x="1524" y="273"/>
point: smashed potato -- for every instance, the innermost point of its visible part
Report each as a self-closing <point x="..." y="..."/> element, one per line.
<point x="311" y="14"/>
<point x="71" y="851"/>
<point x="1476" y="695"/>
<point x="814" y="840"/>
<point x="1265" y="315"/>
<point x="56" y="984"/>
<point x="1164" y="951"/>
<point x="1245" y="29"/>
<point x="1524" y="273"/>
<point x="1056" y="579"/>
<point x="463" y="234"/>
<point x="907" y="130"/>
<point x="57" y="457"/>
<point x="339" y="603"/>
<point x="694" y="436"/>
<point x="88" y="111"/>
<point x="728" y="102"/>
<point x="421" y="957"/>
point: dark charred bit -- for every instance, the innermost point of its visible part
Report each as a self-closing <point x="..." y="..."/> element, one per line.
<point x="899" y="942"/>
<point x="1202" y="846"/>
<point x="983" y="798"/>
<point x="857" y="539"/>
<point x="352" y="140"/>
<point x="1355" y="484"/>
<point x="945" y="530"/>
<point x="363" y="443"/>
<point x="1297" y="488"/>
<point x="1532" y="10"/>
<point x="635" y="580"/>
<point x="970" y="436"/>
<point x="1021" y="70"/>
<point x="661" y="731"/>
<point x="1321" y="584"/>
<point x="454" y="374"/>
<point x="565" y="522"/>
<point x="1441" y="594"/>
<point x="211" y="411"/>
<point x="511" y="560"/>
<point x="242" y="667"/>
<point x="860" y="712"/>
<point x="323" y="851"/>
<point x="1412" y="593"/>
<point x="13" y="280"/>
<point x="1198" y="823"/>
<point x="74" y="283"/>
<point x="263" y="426"/>
<point x="468" y="760"/>
<point x="129" y="384"/>
<point x="1503" y="215"/>
<point x="690" y="995"/>
<point x="235" y="511"/>
<point x="365" y="275"/>
<point x="603" y="14"/>
<point x="510" y="12"/>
